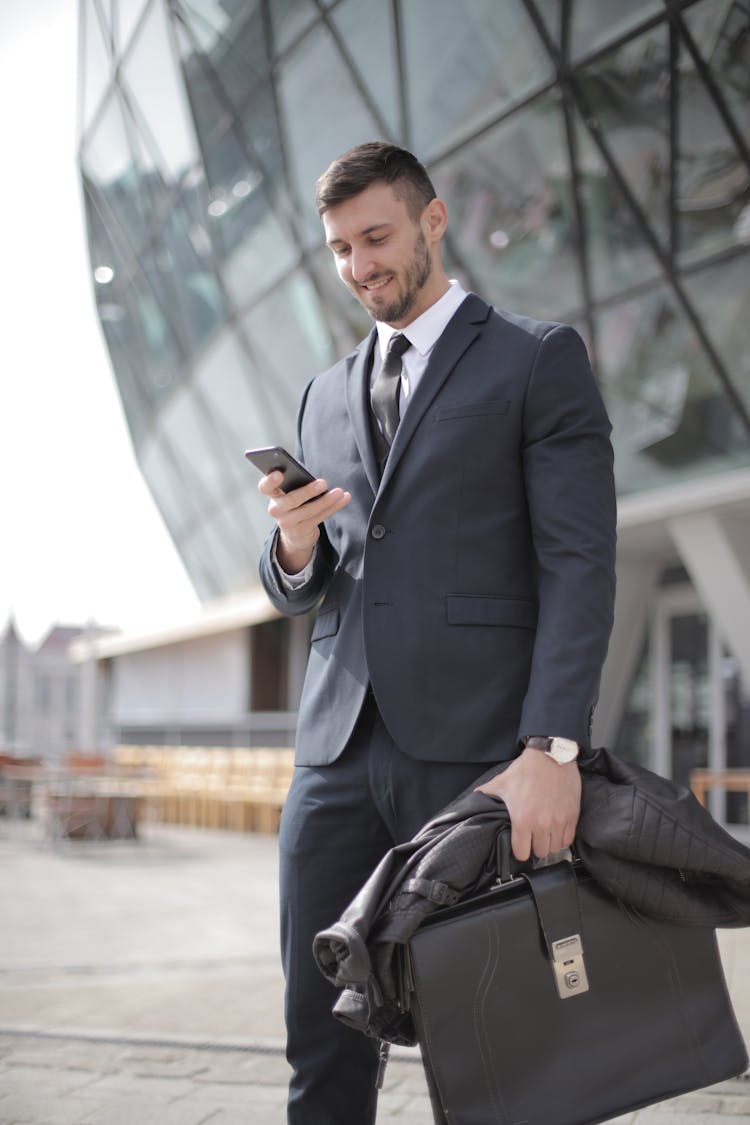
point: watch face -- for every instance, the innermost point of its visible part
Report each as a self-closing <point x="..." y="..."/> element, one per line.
<point x="563" y="750"/>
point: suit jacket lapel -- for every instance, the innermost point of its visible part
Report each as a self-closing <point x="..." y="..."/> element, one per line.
<point x="462" y="330"/>
<point x="358" y="402"/>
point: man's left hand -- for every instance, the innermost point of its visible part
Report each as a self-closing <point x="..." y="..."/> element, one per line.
<point x="543" y="801"/>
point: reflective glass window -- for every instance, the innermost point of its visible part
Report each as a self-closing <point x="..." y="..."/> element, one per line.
<point x="511" y="215"/>
<point x="245" y="176"/>
<point x="144" y="296"/>
<point x="262" y="253"/>
<point x="628" y="92"/>
<point x="551" y="13"/>
<point x="248" y="514"/>
<point x="713" y="180"/>
<point x="619" y="254"/>
<point x="173" y="493"/>
<point x="186" y="282"/>
<point x="199" y="558"/>
<point x="671" y="419"/>
<point x="598" y="22"/>
<point x="239" y="395"/>
<point x="126" y="15"/>
<point x="288" y="342"/>
<point x="201" y="460"/>
<point x="289" y="18"/>
<point x="323" y="116"/>
<point x="151" y="73"/>
<point x="465" y="63"/>
<point x="108" y="163"/>
<point x="721" y="31"/>
<point x="368" y="32"/>
<point x="721" y="296"/>
<point x="227" y="42"/>
<point x="96" y="65"/>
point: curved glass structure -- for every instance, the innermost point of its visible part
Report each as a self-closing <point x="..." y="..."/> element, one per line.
<point x="594" y="156"/>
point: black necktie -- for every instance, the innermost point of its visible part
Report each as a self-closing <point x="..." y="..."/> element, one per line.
<point x="385" y="391"/>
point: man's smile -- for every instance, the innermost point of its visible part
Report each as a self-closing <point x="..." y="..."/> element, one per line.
<point x="371" y="286"/>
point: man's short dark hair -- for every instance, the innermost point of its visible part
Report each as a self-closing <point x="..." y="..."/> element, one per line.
<point x="372" y="163"/>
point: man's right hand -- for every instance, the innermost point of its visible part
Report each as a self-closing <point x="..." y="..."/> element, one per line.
<point x="297" y="519"/>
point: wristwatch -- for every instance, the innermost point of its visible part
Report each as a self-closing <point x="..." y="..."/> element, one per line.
<point x="560" y="750"/>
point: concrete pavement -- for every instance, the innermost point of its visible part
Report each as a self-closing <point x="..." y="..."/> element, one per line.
<point x="139" y="983"/>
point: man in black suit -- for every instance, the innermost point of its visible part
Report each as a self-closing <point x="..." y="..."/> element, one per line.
<point x="463" y="576"/>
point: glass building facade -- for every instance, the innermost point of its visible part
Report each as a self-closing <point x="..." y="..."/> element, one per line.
<point x="594" y="156"/>
<point x="595" y="159"/>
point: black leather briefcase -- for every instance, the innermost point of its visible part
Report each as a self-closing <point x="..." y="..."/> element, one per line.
<point x="548" y="1002"/>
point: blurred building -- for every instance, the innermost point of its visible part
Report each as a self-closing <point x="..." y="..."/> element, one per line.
<point x="595" y="159"/>
<point x="40" y="693"/>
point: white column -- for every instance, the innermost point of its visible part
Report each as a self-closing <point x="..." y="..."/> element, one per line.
<point x="635" y="587"/>
<point x="715" y="551"/>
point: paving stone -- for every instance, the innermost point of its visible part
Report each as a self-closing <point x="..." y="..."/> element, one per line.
<point x="166" y="974"/>
<point x="39" y="1108"/>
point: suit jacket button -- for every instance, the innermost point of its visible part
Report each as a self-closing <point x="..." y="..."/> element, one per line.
<point x="378" y="531"/>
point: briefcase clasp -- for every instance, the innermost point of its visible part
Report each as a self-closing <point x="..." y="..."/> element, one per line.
<point x="569" y="966"/>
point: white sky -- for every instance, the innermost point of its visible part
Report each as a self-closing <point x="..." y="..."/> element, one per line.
<point x="80" y="536"/>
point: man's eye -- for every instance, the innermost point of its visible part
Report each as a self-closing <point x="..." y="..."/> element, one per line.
<point x="377" y="241"/>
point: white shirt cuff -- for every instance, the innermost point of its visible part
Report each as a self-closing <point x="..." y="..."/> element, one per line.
<point x="293" y="581"/>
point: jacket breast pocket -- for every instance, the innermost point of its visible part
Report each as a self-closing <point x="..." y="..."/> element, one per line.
<point x="326" y="625"/>
<point x="492" y="406"/>
<point x="478" y="609"/>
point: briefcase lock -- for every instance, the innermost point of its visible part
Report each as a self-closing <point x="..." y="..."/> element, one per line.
<point x="569" y="966"/>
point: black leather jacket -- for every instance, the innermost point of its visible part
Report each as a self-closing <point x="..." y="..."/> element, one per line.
<point x="645" y="839"/>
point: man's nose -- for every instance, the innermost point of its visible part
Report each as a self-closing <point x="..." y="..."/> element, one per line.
<point x="361" y="265"/>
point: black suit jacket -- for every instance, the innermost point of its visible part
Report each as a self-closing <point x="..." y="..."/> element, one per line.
<point x="473" y="585"/>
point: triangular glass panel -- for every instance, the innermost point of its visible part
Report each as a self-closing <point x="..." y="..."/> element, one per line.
<point x="465" y="65"/>
<point x="628" y="91"/>
<point x="97" y="64"/>
<point x="618" y="251"/>
<point x="107" y="162"/>
<point x="670" y="417"/>
<point x="713" y="180"/>
<point x="127" y="13"/>
<point x="598" y="22"/>
<point x="512" y="217"/>
<point x="318" y="98"/>
<point x="223" y="47"/>
<point x="368" y="32"/>
<point x="289" y="18"/>
<point x="153" y="76"/>
<point x="551" y="13"/>
<point x="721" y="296"/>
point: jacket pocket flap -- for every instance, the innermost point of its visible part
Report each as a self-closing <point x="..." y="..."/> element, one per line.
<point x="476" y="609"/>
<point x="472" y="409"/>
<point x="326" y="625"/>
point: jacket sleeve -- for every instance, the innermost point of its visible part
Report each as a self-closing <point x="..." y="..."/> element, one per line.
<point x="305" y="597"/>
<point x="568" y="470"/>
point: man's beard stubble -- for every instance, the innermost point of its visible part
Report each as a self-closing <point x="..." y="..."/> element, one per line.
<point x="417" y="275"/>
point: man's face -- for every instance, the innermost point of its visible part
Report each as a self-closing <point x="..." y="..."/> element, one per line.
<point x="383" y="256"/>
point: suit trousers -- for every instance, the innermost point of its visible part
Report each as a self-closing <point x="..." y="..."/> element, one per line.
<point x="338" y="822"/>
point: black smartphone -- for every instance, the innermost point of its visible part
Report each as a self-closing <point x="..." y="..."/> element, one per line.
<point x="273" y="457"/>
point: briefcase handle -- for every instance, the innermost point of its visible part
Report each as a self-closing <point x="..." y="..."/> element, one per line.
<point x="555" y="893"/>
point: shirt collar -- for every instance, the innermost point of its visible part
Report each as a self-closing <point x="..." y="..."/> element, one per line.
<point x="424" y="332"/>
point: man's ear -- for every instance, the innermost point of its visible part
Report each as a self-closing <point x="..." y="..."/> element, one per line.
<point x="434" y="220"/>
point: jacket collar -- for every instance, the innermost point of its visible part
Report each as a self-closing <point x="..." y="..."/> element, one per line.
<point x="462" y="329"/>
